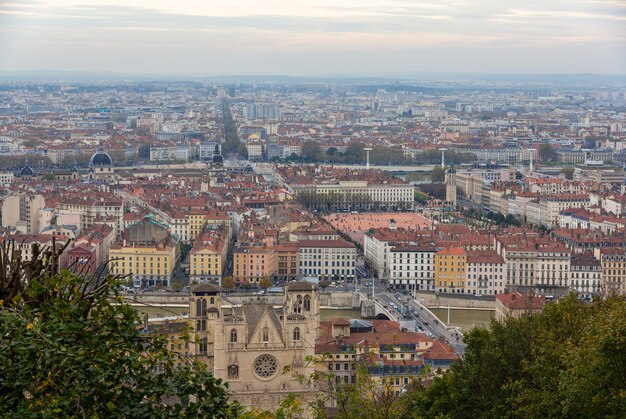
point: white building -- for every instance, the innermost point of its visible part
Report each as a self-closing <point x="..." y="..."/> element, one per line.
<point x="544" y="268"/>
<point x="546" y="210"/>
<point x="586" y="275"/>
<point x="6" y="178"/>
<point x="92" y="211"/>
<point x="355" y="195"/>
<point x="485" y="273"/>
<point x="412" y="267"/>
<point x="327" y="259"/>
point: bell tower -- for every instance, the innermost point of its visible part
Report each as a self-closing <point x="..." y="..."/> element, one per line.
<point x="451" y="186"/>
<point x="301" y="298"/>
<point x="204" y="310"/>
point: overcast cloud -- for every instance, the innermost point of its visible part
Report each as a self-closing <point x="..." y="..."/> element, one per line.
<point x="315" y="37"/>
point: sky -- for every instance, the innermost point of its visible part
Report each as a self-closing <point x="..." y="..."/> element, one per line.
<point x="313" y="37"/>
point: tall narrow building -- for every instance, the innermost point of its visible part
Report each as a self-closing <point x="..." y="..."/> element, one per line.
<point x="451" y="186"/>
<point x="204" y="311"/>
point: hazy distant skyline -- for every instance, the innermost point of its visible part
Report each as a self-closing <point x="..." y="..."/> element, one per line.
<point x="316" y="37"/>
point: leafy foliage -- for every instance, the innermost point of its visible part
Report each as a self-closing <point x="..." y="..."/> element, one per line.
<point x="547" y="153"/>
<point x="311" y="152"/>
<point x="228" y="283"/>
<point x="71" y="347"/>
<point x="379" y="155"/>
<point x="568" y="362"/>
<point x="568" y="172"/>
<point x="231" y="142"/>
<point x="265" y="282"/>
<point x="438" y="174"/>
<point x="367" y="396"/>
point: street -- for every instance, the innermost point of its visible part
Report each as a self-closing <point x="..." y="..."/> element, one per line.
<point x="412" y="309"/>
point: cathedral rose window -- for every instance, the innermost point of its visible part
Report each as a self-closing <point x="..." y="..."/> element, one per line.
<point x="265" y="366"/>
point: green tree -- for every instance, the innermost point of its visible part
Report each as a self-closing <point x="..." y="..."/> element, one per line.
<point x="177" y="286"/>
<point x="438" y="175"/>
<point x="355" y="153"/>
<point x="547" y="153"/>
<point x="415" y="177"/>
<point x="367" y="396"/>
<point x="311" y="151"/>
<point x="71" y="352"/>
<point x="568" y="172"/>
<point x="231" y="137"/>
<point x="333" y="155"/>
<point x="569" y="361"/>
<point x="242" y="150"/>
<point x="185" y="248"/>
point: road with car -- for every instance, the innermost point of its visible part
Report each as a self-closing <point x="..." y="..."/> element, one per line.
<point x="410" y="308"/>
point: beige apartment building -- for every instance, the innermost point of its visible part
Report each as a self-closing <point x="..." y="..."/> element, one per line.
<point x="22" y="212"/>
<point x="613" y="261"/>
<point x="485" y="273"/>
<point x="93" y="211"/>
<point x="147" y="252"/>
<point x="208" y="257"/>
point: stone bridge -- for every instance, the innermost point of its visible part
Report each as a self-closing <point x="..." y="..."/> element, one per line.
<point x="371" y="309"/>
<point x="160" y="299"/>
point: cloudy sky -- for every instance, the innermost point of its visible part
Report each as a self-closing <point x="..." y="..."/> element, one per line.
<point x="314" y="37"/>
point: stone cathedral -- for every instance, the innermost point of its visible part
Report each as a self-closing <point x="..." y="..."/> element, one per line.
<point x="249" y="345"/>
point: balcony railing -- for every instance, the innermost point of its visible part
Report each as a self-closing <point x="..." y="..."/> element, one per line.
<point x="263" y="346"/>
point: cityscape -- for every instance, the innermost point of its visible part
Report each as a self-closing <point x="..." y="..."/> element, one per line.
<point x="403" y="241"/>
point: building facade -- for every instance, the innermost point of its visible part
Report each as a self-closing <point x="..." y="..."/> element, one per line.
<point x="327" y="259"/>
<point x="255" y="342"/>
<point x="22" y="212"/>
<point x="450" y="270"/>
<point x="485" y="273"/>
<point x="412" y="267"/>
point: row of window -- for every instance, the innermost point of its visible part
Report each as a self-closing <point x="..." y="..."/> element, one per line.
<point x="399" y="275"/>
<point x="319" y="263"/>
<point x="328" y="250"/>
<point x="265" y="335"/>
<point x="343" y="272"/>
<point x="415" y="255"/>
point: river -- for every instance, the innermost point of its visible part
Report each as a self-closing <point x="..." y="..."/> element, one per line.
<point x="462" y="318"/>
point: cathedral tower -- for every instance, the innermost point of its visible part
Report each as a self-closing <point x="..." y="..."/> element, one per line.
<point x="451" y="186"/>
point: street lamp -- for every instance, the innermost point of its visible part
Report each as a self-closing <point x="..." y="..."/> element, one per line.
<point x="367" y="152"/>
<point x="443" y="157"/>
